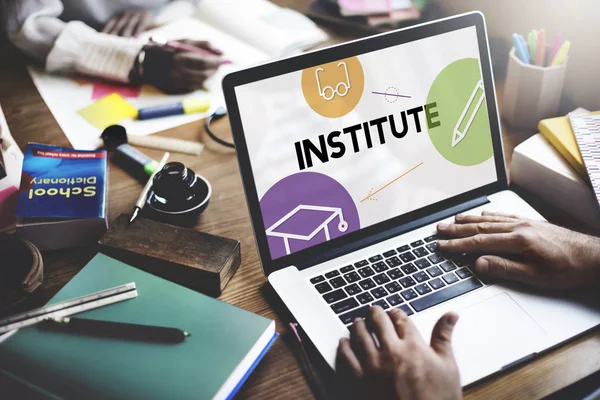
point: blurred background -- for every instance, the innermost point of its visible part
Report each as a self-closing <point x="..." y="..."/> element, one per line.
<point x="578" y="20"/>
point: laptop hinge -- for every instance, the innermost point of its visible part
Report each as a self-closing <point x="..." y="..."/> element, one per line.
<point x="390" y="233"/>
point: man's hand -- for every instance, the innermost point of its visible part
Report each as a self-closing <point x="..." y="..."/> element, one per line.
<point x="175" y="71"/>
<point x="402" y="366"/>
<point x="533" y="252"/>
<point x="130" y="23"/>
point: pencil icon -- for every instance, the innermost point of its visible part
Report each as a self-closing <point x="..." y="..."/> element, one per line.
<point x="461" y="130"/>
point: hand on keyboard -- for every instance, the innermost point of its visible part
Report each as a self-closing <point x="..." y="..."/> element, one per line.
<point x="403" y="366"/>
<point x="533" y="252"/>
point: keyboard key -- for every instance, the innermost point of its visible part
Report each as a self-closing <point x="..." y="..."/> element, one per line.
<point x="361" y="263"/>
<point x="376" y="258"/>
<point x="393" y="262"/>
<point x="404" y="248"/>
<point x="344" y="305"/>
<point x="464" y="273"/>
<point x="407" y="257"/>
<point x="331" y="274"/>
<point x="347" y="268"/>
<point x="379" y="292"/>
<point x="381" y="279"/>
<point x="395" y="273"/>
<point x="393" y="287"/>
<point x="421" y="276"/>
<point x="338" y="282"/>
<point x="364" y="297"/>
<point x="366" y="272"/>
<point x="367" y="284"/>
<point x="423" y="289"/>
<point x="408" y="269"/>
<point x="422" y="263"/>
<point x="379" y="266"/>
<point x="445" y="294"/>
<point x="406" y="309"/>
<point x="323" y="287"/>
<point x="407" y="281"/>
<point x="432" y="247"/>
<point x="434" y="271"/>
<point x="420" y="252"/>
<point x="389" y="253"/>
<point x="394" y="300"/>
<point x="353" y="289"/>
<point x="317" y="279"/>
<point x="430" y="238"/>
<point x="349" y="317"/>
<point x="408" y="294"/>
<point x="381" y="303"/>
<point x="435" y="258"/>
<point x="417" y="243"/>
<point x="448" y="266"/>
<point x="436" y="283"/>
<point x="334" y="296"/>
<point x="450" y="278"/>
<point x="352" y="277"/>
<point x="462" y="260"/>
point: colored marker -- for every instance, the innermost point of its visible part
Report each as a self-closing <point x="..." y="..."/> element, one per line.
<point x="555" y="47"/>
<point x="524" y="44"/>
<point x="540" y="48"/>
<point x="531" y="41"/>
<point x="520" y="49"/>
<point x="562" y="53"/>
<point x="186" y="106"/>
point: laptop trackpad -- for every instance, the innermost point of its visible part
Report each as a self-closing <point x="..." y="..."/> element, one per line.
<point x="493" y="333"/>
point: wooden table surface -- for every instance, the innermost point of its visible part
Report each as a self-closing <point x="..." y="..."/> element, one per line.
<point x="279" y="375"/>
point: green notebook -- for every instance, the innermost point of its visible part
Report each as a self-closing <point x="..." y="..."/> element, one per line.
<point x="226" y="343"/>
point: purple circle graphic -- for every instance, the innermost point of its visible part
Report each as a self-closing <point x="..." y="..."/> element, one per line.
<point x="306" y="209"/>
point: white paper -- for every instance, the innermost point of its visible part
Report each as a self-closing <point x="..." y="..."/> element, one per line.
<point x="274" y="30"/>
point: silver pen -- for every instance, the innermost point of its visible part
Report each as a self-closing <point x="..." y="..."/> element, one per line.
<point x="144" y="195"/>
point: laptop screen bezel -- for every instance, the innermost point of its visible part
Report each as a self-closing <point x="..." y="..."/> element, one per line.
<point x="357" y="47"/>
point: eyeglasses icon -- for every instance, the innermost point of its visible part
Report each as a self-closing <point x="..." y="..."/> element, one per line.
<point x="341" y="89"/>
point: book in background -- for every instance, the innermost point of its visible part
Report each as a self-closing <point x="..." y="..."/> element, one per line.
<point x="560" y="134"/>
<point x="539" y="168"/>
<point x="371" y="15"/>
<point x="225" y="344"/>
<point x="62" y="201"/>
<point x="11" y="161"/>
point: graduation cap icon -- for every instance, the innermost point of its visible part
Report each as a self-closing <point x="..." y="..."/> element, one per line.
<point x="306" y="221"/>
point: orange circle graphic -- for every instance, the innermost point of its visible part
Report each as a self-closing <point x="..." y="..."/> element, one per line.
<point x="334" y="89"/>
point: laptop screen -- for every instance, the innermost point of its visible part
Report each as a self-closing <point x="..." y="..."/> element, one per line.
<point x="345" y="145"/>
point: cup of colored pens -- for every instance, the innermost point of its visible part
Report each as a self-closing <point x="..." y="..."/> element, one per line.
<point x="537" y="65"/>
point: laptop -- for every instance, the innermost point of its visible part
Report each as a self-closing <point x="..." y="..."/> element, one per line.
<point x="351" y="155"/>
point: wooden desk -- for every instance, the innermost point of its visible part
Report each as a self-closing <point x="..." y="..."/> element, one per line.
<point x="279" y="374"/>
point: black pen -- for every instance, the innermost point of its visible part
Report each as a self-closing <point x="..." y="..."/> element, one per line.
<point x="116" y="330"/>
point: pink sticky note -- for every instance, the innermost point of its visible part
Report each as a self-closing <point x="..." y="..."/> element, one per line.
<point x="102" y="89"/>
<point x="364" y="6"/>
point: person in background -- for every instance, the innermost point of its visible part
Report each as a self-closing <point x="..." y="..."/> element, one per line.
<point x="97" y="38"/>
<point x="403" y="366"/>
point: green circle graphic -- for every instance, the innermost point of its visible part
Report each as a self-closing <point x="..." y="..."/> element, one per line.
<point x="456" y="90"/>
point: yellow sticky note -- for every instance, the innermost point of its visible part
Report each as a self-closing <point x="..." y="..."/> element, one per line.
<point x="107" y="111"/>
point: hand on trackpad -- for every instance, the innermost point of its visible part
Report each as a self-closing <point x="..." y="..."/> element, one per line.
<point x="493" y="333"/>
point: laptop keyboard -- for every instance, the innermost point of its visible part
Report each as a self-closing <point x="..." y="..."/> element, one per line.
<point x="413" y="277"/>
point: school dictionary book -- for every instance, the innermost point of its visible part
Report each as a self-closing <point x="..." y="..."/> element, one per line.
<point x="62" y="200"/>
<point x="225" y="345"/>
